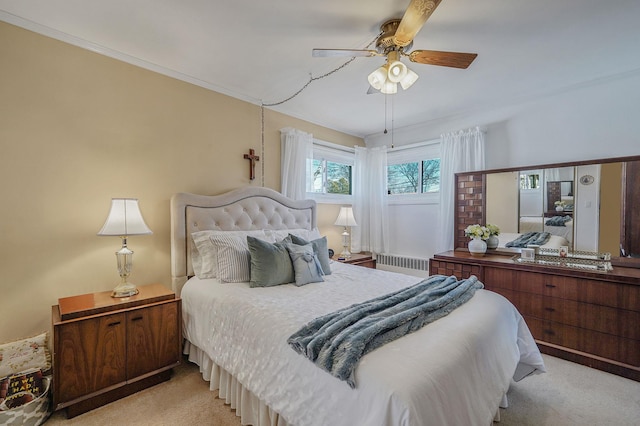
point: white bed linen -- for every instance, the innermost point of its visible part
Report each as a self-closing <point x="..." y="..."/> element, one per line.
<point x="454" y="371"/>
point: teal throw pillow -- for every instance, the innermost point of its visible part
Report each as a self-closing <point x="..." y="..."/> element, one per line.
<point x="320" y="248"/>
<point x="270" y="263"/>
<point x="306" y="265"/>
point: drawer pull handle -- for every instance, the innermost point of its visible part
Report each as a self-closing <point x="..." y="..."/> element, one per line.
<point x="113" y="324"/>
<point x="136" y="318"/>
<point x="549" y="309"/>
<point x="550" y="332"/>
<point x="550" y="285"/>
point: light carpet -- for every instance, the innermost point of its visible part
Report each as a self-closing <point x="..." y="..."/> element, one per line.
<point x="568" y="394"/>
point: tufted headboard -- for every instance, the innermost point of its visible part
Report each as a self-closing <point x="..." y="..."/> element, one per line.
<point x="241" y="209"/>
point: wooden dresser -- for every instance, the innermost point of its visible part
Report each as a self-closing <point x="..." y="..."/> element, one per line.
<point x="587" y="317"/>
<point x="106" y="348"/>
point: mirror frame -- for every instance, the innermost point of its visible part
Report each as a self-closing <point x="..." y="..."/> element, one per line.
<point x="470" y="196"/>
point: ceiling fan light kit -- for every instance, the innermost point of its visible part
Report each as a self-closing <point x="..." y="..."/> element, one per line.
<point x="396" y="39"/>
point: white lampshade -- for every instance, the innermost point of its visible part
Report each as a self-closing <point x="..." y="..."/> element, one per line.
<point x="378" y="77"/>
<point x="397" y="71"/>
<point x="124" y="219"/>
<point x="408" y="80"/>
<point x="389" y="88"/>
<point x="345" y="217"/>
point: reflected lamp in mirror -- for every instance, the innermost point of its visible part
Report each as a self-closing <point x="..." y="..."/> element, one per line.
<point x="346" y="219"/>
<point x="124" y="219"/>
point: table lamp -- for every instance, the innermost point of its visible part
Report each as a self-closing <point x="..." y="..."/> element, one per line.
<point x="124" y="219"/>
<point x="346" y="219"/>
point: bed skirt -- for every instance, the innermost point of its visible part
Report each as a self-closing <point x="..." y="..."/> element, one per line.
<point x="250" y="409"/>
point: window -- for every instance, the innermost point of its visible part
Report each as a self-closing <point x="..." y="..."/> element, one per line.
<point x="414" y="170"/>
<point x="329" y="177"/>
<point x="529" y="181"/>
<point x="415" y="177"/>
<point x="330" y="173"/>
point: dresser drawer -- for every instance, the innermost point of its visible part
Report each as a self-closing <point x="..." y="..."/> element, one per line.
<point x="589" y="341"/>
<point x="460" y="270"/>
<point x="572" y="288"/>
<point x="600" y="318"/>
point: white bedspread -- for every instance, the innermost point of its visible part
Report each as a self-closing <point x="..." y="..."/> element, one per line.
<point x="454" y="371"/>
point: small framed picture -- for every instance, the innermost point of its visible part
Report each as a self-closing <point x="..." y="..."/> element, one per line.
<point x="563" y="251"/>
<point x="528" y="254"/>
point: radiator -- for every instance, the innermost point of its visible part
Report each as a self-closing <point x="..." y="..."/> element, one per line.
<point x="403" y="262"/>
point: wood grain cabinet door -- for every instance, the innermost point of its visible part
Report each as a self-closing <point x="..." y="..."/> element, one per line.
<point x="152" y="339"/>
<point x="91" y="356"/>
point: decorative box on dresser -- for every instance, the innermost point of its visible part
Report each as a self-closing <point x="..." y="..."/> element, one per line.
<point x="106" y="348"/>
<point x="584" y="316"/>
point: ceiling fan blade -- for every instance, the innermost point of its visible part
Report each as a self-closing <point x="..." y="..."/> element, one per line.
<point x="443" y="59"/>
<point x="414" y="18"/>
<point x="324" y="53"/>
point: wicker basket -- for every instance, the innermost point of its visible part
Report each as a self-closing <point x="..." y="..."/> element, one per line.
<point x="33" y="413"/>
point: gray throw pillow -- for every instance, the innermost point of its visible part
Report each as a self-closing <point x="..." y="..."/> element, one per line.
<point x="270" y="263"/>
<point x="320" y="248"/>
<point x="306" y="265"/>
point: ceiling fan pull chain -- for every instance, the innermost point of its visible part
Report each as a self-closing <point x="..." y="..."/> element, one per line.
<point x="312" y="78"/>
<point x="385" y="114"/>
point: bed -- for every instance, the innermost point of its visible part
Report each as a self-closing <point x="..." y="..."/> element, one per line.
<point x="538" y="224"/>
<point x="554" y="242"/>
<point x="454" y="371"/>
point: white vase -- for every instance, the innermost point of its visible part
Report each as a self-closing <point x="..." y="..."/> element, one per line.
<point x="559" y="208"/>
<point x="477" y="247"/>
<point x="492" y="242"/>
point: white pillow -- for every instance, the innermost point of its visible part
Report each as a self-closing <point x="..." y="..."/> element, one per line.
<point x="234" y="259"/>
<point x="275" y="235"/>
<point x="204" y="257"/>
<point x="24" y="354"/>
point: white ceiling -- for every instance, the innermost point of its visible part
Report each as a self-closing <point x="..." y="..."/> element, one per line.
<point x="260" y="51"/>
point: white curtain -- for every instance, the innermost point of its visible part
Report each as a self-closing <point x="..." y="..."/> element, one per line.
<point x="461" y="151"/>
<point x="297" y="151"/>
<point x="370" y="201"/>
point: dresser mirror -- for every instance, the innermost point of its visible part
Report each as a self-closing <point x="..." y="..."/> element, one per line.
<point x="586" y="206"/>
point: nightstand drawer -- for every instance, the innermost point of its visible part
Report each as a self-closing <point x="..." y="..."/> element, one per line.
<point x="359" y="259"/>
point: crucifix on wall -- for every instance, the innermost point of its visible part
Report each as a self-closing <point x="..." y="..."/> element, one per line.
<point x="252" y="163"/>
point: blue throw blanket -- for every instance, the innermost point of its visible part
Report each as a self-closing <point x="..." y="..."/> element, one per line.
<point x="558" y="221"/>
<point x="335" y="342"/>
<point x="537" y="238"/>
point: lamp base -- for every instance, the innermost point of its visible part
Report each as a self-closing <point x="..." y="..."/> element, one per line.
<point x="345" y="253"/>
<point x="125" y="289"/>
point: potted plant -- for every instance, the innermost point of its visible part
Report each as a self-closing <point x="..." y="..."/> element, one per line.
<point x="560" y="205"/>
<point x="493" y="241"/>
<point x="478" y="234"/>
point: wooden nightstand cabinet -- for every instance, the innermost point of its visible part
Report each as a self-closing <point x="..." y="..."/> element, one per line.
<point x="106" y="348"/>
<point x="360" y="259"/>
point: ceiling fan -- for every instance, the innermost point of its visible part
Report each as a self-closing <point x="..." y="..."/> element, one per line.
<point x="395" y="40"/>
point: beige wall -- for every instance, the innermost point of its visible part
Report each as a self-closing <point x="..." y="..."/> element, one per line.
<point x="78" y="128"/>
<point x="502" y="200"/>
<point x="610" y="208"/>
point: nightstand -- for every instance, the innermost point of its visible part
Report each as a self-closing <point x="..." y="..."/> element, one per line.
<point x="106" y="348"/>
<point x="360" y="259"/>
